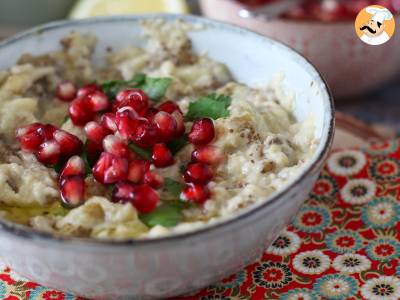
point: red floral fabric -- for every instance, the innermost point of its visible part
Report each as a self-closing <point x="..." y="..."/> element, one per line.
<point x="343" y="244"/>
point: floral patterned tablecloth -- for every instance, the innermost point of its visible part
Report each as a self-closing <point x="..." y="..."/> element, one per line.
<point x="343" y="244"/>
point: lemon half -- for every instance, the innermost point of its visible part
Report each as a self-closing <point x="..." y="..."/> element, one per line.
<point x="93" y="8"/>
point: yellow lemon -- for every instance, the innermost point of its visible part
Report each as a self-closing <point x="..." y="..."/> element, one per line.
<point x="92" y="8"/>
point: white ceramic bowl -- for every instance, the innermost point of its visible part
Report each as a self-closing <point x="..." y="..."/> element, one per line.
<point x="178" y="264"/>
<point x="350" y="66"/>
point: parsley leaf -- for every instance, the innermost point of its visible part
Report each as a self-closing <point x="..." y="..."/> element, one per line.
<point x="65" y="120"/>
<point x="143" y="153"/>
<point x="177" y="144"/>
<point x="88" y="164"/>
<point x="213" y="106"/>
<point x="155" y="88"/>
<point x="168" y="215"/>
<point x="173" y="188"/>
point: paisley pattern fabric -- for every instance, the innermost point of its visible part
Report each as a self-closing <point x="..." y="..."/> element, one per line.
<point x="344" y="244"/>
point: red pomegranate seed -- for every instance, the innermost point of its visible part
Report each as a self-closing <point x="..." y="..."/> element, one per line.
<point x="126" y="120"/>
<point x="74" y="166"/>
<point x="134" y="98"/>
<point x="162" y="156"/>
<point x="137" y="169"/>
<point x="98" y="101"/>
<point x="87" y="90"/>
<point x="108" y="120"/>
<point x="145" y="134"/>
<point x="150" y="113"/>
<point x="166" y="126"/>
<point x="123" y="192"/>
<point x="66" y="91"/>
<point x="110" y="168"/>
<point x="21" y="131"/>
<point x="197" y="173"/>
<point x="49" y="153"/>
<point x="202" y="132"/>
<point x="93" y="150"/>
<point x="117" y="172"/>
<point x="30" y="142"/>
<point x="196" y="193"/>
<point x="153" y="179"/>
<point x="116" y="146"/>
<point x="208" y="154"/>
<point x="69" y="143"/>
<point x="146" y="198"/>
<point x="95" y="132"/>
<point x="169" y="107"/>
<point x="180" y="123"/>
<point x="72" y="190"/>
<point x="80" y="112"/>
<point x="47" y="131"/>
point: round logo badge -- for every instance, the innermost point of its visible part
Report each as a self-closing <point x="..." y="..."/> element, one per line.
<point x="375" y="25"/>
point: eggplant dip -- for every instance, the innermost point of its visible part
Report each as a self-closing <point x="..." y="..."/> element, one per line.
<point x="154" y="141"/>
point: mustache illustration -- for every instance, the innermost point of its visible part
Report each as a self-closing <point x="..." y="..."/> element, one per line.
<point x="368" y="28"/>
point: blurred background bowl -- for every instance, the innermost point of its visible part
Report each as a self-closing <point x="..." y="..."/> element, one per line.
<point x="350" y="66"/>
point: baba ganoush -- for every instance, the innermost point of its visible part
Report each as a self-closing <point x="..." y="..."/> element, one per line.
<point x="154" y="141"/>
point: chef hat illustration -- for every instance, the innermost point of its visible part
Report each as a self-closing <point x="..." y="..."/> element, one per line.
<point x="379" y="14"/>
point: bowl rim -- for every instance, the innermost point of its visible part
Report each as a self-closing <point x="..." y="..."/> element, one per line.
<point x="34" y="235"/>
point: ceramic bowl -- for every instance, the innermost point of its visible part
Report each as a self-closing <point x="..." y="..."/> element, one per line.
<point x="168" y="266"/>
<point x="350" y="66"/>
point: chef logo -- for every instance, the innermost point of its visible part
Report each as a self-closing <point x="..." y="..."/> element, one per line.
<point x="375" y="25"/>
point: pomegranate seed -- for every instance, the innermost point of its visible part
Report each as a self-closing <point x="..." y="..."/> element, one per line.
<point x="196" y="193"/>
<point x="108" y="120"/>
<point x="166" y="126"/>
<point x="202" y="132"/>
<point x="150" y="113"/>
<point x="21" y="131"/>
<point x="110" y="168"/>
<point x="66" y="91"/>
<point x="114" y="145"/>
<point x="137" y="169"/>
<point x="134" y="98"/>
<point x="47" y="131"/>
<point x="69" y="143"/>
<point x="74" y="166"/>
<point x="169" y="107"/>
<point x="87" y="90"/>
<point x="95" y="132"/>
<point x="80" y="112"/>
<point x="49" y="153"/>
<point x="126" y="120"/>
<point x="30" y="142"/>
<point x="153" y="179"/>
<point x="146" y="198"/>
<point x="123" y="192"/>
<point x="197" y="173"/>
<point x="98" y="101"/>
<point x="208" y="154"/>
<point x="93" y="150"/>
<point x="162" y="156"/>
<point x="180" y="123"/>
<point x="72" y="190"/>
<point x="145" y="134"/>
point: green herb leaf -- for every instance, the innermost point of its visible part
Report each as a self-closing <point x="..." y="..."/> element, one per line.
<point x="173" y="188"/>
<point x="177" y="144"/>
<point x="88" y="163"/>
<point x="155" y="88"/>
<point x="213" y="106"/>
<point x="143" y="153"/>
<point x="66" y="119"/>
<point x="168" y="215"/>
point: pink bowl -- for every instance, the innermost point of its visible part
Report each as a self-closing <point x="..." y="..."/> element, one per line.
<point x="350" y="66"/>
